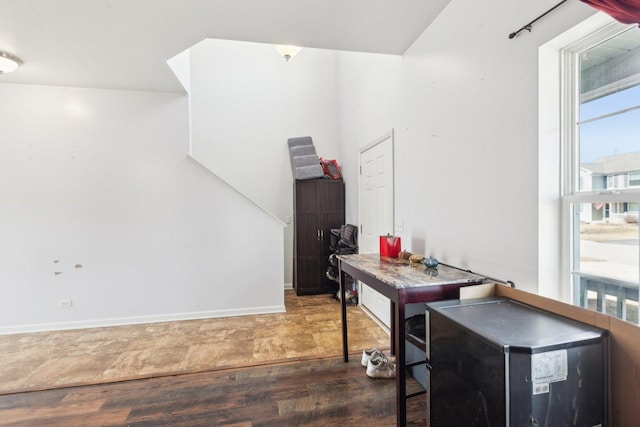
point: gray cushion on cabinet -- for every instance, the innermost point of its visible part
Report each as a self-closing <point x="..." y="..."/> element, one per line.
<point x="304" y="160"/>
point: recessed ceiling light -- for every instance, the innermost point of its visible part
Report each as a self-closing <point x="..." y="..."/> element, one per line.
<point x="8" y="62"/>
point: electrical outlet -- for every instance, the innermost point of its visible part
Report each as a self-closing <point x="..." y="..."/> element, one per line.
<point x="65" y="303"/>
<point x="287" y="219"/>
<point x="399" y="225"/>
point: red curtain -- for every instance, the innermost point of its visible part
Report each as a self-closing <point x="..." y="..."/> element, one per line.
<point x="625" y="11"/>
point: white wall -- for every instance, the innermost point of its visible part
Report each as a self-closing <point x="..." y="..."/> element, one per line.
<point x="99" y="204"/>
<point x="99" y="179"/>
<point x="246" y="101"/>
<point x="464" y="105"/>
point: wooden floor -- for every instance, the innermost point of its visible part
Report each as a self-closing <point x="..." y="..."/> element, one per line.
<point x="266" y="370"/>
<point x="324" y="392"/>
<point x="309" y="329"/>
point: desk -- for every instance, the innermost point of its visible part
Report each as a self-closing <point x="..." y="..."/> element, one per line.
<point x="402" y="284"/>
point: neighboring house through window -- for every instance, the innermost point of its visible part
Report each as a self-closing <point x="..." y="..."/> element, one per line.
<point x="600" y="172"/>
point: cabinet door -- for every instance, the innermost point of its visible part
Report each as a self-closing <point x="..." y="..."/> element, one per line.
<point x="331" y="197"/>
<point x="319" y="207"/>
<point x="308" y="245"/>
<point x="331" y="203"/>
<point x="309" y="261"/>
<point x="308" y="220"/>
<point x="308" y="239"/>
<point x="310" y="276"/>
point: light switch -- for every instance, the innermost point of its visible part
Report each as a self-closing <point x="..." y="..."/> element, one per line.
<point x="399" y="225"/>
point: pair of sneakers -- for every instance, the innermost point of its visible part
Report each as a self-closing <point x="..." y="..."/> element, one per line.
<point x="378" y="365"/>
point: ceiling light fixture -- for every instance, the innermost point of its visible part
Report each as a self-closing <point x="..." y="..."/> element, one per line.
<point x="287" y="51"/>
<point x="8" y="62"/>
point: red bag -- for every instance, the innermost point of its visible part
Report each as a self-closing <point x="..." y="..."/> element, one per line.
<point x="390" y="246"/>
<point x="331" y="168"/>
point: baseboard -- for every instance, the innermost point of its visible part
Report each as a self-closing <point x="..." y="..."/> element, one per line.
<point x="103" y="323"/>
<point x="288" y="286"/>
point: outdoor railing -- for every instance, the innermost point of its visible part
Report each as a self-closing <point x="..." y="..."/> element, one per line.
<point x="612" y="296"/>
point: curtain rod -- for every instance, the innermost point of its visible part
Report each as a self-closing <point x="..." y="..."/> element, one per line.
<point x="528" y="26"/>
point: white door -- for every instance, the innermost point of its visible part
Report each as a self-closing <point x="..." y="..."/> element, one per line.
<point x="376" y="211"/>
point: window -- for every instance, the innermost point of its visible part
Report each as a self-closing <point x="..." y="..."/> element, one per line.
<point x="614" y="181"/>
<point x="610" y="182"/>
<point x="601" y="174"/>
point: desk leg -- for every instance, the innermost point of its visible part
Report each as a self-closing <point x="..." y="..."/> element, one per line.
<point x="401" y="371"/>
<point x="343" y="310"/>
<point x="392" y="327"/>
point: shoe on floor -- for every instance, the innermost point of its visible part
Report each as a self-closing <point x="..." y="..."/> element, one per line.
<point x="348" y="294"/>
<point x="367" y="355"/>
<point x="382" y="367"/>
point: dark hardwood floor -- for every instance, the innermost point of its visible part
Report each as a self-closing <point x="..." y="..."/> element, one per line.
<point x="325" y="392"/>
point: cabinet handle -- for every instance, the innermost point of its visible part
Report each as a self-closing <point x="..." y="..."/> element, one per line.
<point x="321" y="234"/>
<point x="318" y="237"/>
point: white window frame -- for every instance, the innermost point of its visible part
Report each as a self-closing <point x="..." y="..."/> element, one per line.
<point x="570" y="165"/>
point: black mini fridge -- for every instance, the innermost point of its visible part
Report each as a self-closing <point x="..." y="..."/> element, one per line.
<point x="497" y="362"/>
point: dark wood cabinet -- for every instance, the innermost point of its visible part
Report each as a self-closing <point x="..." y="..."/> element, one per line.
<point x="318" y="207"/>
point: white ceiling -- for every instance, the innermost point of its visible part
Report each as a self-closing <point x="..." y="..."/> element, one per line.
<point x="124" y="44"/>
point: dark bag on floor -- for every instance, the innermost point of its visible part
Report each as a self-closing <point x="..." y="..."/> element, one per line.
<point x="415" y="325"/>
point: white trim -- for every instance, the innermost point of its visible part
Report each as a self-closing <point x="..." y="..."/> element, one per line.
<point x="378" y="140"/>
<point x="122" y="321"/>
<point x="617" y="196"/>
<point x="570" y="102"/>
<point x="288" y="286"/>
<point x="585" y="36"/>
<point x="550" y="281"/>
